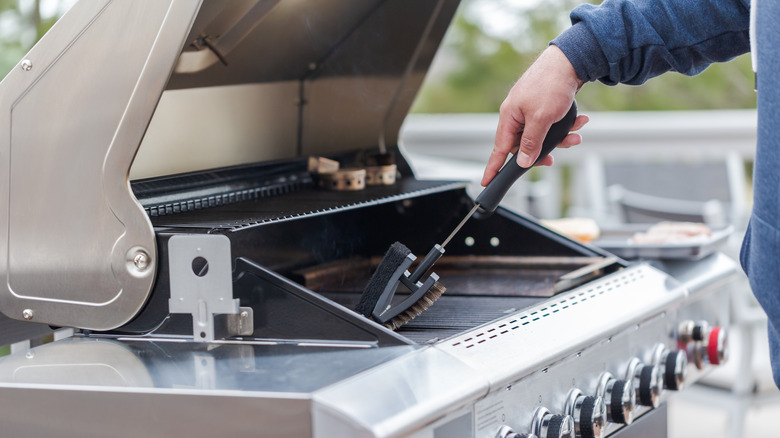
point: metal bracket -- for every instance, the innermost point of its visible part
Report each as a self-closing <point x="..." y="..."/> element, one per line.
<point x="201" y="281"/>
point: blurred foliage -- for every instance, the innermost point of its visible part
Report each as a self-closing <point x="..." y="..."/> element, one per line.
<point x="21" y="25"/>
<point x="477" y="64"/>
<point x="475" y="69"/>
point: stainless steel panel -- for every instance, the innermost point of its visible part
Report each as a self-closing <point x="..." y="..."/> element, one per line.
<point x="176" y="365"/>
<point x="87" y="387"/>
<point x="77" y="248"/>
<point x="535" y="338"/>
<point x="201" y="279"/>
<point x="356" y="64"/>
<point x="205" y="128"/>
<point x="398" y="398"/>
<point x="514" y="403"/>
<point x="77" y="413"/>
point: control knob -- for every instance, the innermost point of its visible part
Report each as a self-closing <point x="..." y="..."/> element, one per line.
<point x="648" y="382"/>
<point x="507" y="432"/>
<point x="713" y="348"/>
<point x="620" y="398"/>
<point x="692" y="331"/>
<point x="716" y="345"/>
<point x="675" y="365"/>
<point x="589" y="414"/>
<point x="547" y="425"/>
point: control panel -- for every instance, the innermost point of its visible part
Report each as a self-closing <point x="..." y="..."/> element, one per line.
<point x="605" y="387"/>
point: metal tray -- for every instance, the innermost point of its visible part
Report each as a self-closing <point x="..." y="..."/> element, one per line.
<point x="615" y="240"/>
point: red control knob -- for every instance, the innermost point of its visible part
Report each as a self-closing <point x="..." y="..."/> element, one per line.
<point x="716" y="345"/>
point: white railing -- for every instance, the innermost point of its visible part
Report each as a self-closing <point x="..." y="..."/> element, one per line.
<point x="456" y="146"/>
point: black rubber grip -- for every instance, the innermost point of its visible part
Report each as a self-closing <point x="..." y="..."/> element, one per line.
<point x="586" y="417"/>
<point x="646" y="386"/>
<point x="616" y="402"/>
<point x="555" y="427"/>
<point x="670" y="371"/>
<point x="698" y="333"/>
<point x="492" y="195"/>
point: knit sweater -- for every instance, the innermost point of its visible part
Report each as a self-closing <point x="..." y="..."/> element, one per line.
<point x="631" y="41"/>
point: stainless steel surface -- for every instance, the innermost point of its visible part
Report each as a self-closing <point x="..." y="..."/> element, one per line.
<point x="397" y="398"/>
<point x="168" y="388"/>
<point x="351" y="65"/>
<point x="67" y="211"/>
<point x="201" y="275"/>
<point x="220" y="31"/>
<point x="399" y="391"/>
<point x="595" y="311"/>
<point x="241" y="324"/>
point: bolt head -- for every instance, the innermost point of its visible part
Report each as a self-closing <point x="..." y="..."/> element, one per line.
<point x="141" y="260"/>
<point x="27" y="314"/>
<point x="26" y="65"/>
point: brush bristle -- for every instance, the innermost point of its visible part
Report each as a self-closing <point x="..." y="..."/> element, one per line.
<point x="423" y="304"/>
<point x="382" y="276"/>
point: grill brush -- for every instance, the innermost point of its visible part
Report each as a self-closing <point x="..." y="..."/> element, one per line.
<point x="376" y="300"/>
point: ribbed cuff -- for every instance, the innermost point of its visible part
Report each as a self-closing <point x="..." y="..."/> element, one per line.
<point x="584" y="52"/>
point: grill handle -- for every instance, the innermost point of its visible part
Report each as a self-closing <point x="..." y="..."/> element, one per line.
<point x="492" y="195"/>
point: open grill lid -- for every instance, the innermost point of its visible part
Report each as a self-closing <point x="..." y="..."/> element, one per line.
<point x="290" y="78"/>
<point x="76" y="247"/>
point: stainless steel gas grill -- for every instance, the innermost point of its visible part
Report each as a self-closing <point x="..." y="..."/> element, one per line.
<point x="220" y="301"/>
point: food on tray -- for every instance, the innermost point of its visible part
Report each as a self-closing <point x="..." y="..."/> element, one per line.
<point x="582" y="229"/>
<point x="665" y="233"/>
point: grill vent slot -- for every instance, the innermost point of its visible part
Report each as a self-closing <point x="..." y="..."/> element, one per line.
<point x="571" y="300"/>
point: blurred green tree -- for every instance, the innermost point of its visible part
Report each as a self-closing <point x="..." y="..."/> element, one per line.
<point x="478" y="61"/>
<point x="22" y="24"/>
<point x="477" y="65"/>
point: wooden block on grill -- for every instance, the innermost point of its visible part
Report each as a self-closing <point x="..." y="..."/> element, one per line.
<point x="344" y="180"/>
<point x="381" y="175"/>
<point x="320" y="165"/>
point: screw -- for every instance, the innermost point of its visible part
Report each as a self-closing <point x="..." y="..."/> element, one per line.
<point x="27" y="314"/>
<point x="26" y="65"/>
<point x="141" y="260"/>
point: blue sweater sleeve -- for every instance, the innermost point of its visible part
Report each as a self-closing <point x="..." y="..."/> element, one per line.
<point x="631" y="41"/>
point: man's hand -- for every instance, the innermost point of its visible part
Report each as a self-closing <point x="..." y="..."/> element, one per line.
<point x="541" y="97"/>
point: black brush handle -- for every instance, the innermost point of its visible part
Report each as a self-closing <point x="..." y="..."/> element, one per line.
<point x="427" y="263"/>
<point x="492" y="195"/>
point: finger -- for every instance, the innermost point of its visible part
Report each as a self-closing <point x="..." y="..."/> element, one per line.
<point x="571" y="140"/>
<point x="575" y="139"/>
<point x="531" y="143"/>
<point x="506" y="131"/>
<point x="579" y="122"/>
<point x="546" y="161"/>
